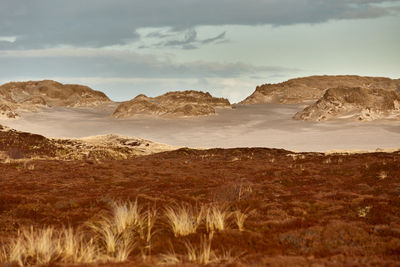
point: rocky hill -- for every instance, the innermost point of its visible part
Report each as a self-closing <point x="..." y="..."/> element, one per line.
<point x="353" y="103"/>
<point x="312" y="88"/>
<point x="174" y="104"/>
<point x="33" y="95"/>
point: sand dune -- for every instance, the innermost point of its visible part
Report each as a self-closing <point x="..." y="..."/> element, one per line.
<point x="266" y="125"/>
<point x="172" y="104"/>
<point x="353" y="103"/>
<point x="300" y="90"/>
<point x="33" y="96"/>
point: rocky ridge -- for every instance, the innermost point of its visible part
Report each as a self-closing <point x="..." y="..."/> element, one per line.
<point x="173" y="104"/>
<point x="33" y="95"/>
<point x="353" y="103"/>
<point x="312" y="88"/>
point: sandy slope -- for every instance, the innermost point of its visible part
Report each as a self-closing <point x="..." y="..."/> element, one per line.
<point x="267" y="125"/>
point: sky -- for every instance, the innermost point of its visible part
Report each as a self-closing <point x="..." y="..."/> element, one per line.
<point x="226" y="47"/>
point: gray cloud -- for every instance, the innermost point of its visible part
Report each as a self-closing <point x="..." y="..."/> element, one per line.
<point x="366" y="12"/>
<point x="214" y="39"/>
<point x="159" y="34"/>
<point x="92" y="62"/>
<point x="190" y="37"/>
<point x="189" y="40"/>
<point x="97" y="23"/>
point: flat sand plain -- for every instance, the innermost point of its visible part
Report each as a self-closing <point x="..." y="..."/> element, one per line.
<point x="266" y="125"/>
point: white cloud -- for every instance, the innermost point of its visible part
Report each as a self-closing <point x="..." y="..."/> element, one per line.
<point x="9" y="39"/>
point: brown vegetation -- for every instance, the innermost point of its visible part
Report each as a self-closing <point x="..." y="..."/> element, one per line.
<point x="301" y="209"/>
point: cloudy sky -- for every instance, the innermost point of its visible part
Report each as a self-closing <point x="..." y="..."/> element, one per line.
<point x="227" y="47"/>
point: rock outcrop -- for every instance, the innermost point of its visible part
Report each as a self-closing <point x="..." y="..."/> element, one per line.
<point x="312" y="88"/>
<point x="33" y="95"/>
<point x="174" y="104"/>
<point x="353" y="103"/>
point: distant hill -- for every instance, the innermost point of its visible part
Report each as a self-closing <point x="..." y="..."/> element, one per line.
<point x="312" y="88"/>
<point x="32" y="95"/>
<point x="353" y="103"/>
<point x="174" y="104"/>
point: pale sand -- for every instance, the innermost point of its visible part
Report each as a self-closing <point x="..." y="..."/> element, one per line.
<point x="268" y="125"/>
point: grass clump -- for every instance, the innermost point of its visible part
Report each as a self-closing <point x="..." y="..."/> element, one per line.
<point x="128" y="227"/>
<point x="110" y="239"/>
<point x="201" y="254"/>
<point x="240" y="218"/>
<point x="46" y="245"/>
<point x="216" y="218"/>
<point x="76" y="248"/>
<point x="183" y="219"/>
<point x="198" y="254"/>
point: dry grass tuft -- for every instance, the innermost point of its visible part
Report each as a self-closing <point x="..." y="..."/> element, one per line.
<point x="127" y="215"/>
<point x="35" y="247"/>
<point x="244" y="190"/>
<point x="382" y="175"/>
<point x="198" y="254"/>
<point x="76" y="249"/>
<point x="3" y="254"/>
<point x="183" y="219"/>
<point x="114" y="238"/>
<point x="363" y="212"/>
<point x="203" y="253"/>
<point x="111" y="239"/>
<point x="147" y="232"/>
<point x="216" y="218"/>
<point x="114" y="245"/>
<point x="129" y="227"/>
<point x="169" y="258"/>
<point x="46" y="246"/>
<point x="240" y="218"/>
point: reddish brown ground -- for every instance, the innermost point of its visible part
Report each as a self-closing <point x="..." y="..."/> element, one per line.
<point x="304" y="209"/>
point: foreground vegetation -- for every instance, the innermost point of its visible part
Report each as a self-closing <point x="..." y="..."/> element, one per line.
<point x="126" y="231"/>
<point x="252" y="207"/>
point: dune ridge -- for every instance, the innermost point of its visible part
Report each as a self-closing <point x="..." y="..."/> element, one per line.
<point x="34" y="95"/>
<point x="353" y="103"/>
<point x="175" y="104"/>
<point x="312" y="88"/>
